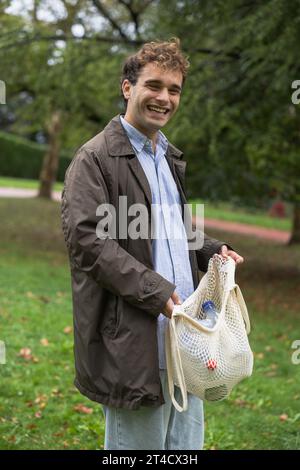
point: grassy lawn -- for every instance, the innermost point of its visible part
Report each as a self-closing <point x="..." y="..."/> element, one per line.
<point x="39" y="406"/>
<point x="6" y="182"/>
<point x="221" y="211"/>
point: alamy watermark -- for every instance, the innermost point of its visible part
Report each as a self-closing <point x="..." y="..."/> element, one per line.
<point x="2" y="92"/>
<point x="296" y="355"/>
<point x="172" y="222"/>
<point x="2" y="353"/>
<point x="296" y="94"/>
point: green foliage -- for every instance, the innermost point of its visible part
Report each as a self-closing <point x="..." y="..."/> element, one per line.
<point x="237" y="123"/>
<point x="44" y="76"/>
<point x="23" y="159"/>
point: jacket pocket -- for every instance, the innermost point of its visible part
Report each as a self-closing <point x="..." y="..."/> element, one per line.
<point x="112" y="318"/>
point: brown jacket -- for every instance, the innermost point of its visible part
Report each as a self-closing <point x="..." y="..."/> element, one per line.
<point x="117" y="295"/>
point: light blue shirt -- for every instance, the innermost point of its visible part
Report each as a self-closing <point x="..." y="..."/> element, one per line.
<point x="170" y="252"/>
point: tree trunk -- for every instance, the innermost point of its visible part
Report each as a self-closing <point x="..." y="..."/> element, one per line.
<point x="50" y="163"/>
<point x="295" y="236"/>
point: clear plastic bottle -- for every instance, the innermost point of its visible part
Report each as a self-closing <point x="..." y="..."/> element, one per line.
<point x="211" y="314"/>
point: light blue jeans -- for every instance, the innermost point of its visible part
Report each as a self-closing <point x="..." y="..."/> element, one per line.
<point x="158" y="428"/>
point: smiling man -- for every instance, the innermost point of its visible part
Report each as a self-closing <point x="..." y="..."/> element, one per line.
<point x="125" y="288"/>
<point x="153" y="99"/>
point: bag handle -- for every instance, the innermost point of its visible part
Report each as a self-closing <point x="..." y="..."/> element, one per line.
<point x="171" y="337"/>
<point x="243" y="307"/>
<point x="230" y="286"/>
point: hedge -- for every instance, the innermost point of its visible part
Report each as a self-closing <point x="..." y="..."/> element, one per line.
<point x="21" y="158"/>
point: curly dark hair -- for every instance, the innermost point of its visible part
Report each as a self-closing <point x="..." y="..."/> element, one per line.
<point x="166" y="54"/>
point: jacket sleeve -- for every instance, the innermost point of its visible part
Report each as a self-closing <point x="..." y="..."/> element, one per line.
<point x="104" y="259"/>
<point x="210" y="247"/>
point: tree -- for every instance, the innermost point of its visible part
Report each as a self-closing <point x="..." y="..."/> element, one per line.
<point x="237" y="108"/>
<point x="61" y="78"/>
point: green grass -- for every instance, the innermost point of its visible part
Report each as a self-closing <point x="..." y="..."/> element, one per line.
<point x="35" y="303"/>
<point x="38" y="399"/>
<point x="226" y="211"/>
<point x="6" y="182"/>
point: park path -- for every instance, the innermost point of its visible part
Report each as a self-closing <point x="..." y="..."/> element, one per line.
<point x="279" y="236"/>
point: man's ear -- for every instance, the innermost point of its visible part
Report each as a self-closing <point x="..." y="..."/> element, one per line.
<point x="126" y="88"/>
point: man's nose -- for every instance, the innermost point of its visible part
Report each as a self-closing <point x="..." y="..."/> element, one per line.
<point x="163" y="95"/>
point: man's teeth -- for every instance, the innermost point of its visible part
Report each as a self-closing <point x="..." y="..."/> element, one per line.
<point x="159" y="110"/>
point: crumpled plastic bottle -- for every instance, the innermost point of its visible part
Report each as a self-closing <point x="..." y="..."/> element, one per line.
<point x="211" y="313"/>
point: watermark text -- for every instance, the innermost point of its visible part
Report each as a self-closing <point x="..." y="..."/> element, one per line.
<point x="2" y="352"/>
<point x="171" y="222"/>
<point x="296" y="354"/>
<point x="296" y="94"/>
<point x="2" y="92"/>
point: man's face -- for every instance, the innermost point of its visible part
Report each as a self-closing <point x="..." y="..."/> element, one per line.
<point x="154" y="99"/>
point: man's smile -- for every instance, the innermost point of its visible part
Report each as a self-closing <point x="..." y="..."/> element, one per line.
<point x="158" y="109"/>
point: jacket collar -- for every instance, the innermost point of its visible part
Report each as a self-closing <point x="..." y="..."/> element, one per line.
<point x="119" y="145"/>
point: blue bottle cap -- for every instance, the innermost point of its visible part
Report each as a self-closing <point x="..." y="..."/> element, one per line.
<point x="208" y="304"/>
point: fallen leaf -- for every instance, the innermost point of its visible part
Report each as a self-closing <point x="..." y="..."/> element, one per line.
<point x="283" y="417"/>
<point x="25" y="353"/>
<point x="241" y="403"/>
<point x="282" y="337"/>
<point x="56" y="393"/>
<point x="30" y="295"/>
<point x="31" y="426"/>
<point x="44" y="342"/>
<point x="44" y="299"/>
<point x="40" y="399"/>
<point x="271" y="374"/>
<point x="260" y="355"/>
<point x="68" y="330"/>
<point x="83" y="409"/>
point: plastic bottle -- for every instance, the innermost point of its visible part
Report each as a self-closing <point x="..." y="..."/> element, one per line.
<point x="211" y="313"/>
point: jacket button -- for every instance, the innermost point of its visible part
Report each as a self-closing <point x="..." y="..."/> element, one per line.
<point x="148" y="288"/>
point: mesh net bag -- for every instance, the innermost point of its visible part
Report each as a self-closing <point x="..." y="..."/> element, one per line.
<point x="208" y="362"/>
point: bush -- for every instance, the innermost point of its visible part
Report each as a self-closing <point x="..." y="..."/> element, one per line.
<point x="21" y="158"/>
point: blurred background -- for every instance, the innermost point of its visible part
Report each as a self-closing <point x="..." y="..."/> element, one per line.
<point x="238" y="125"/>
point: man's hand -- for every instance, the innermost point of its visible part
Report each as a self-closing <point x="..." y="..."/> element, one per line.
<point x="173" y="300"/>
<point x="235" y="256"/>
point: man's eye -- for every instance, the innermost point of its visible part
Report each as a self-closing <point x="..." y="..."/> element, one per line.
<point x="153" y="87"/>
<point x="174" y="92"/>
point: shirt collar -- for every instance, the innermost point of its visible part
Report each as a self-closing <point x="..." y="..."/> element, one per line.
<point x="139" y="140"/>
